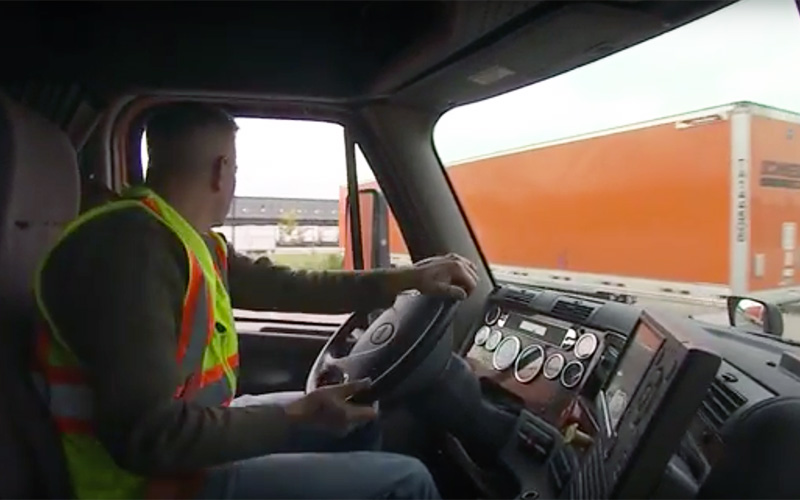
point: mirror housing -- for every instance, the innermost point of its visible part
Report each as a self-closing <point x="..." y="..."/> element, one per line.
<point x="755" y="316"/>
<point x="374" y="215"/>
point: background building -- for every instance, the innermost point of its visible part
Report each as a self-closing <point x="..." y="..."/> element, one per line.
<point x="265" y="226"/>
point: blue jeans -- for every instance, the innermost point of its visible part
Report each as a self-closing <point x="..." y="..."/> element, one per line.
<point x="322" y="466"/>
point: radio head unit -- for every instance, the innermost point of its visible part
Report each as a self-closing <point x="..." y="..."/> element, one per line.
<point x="644" y="409"/>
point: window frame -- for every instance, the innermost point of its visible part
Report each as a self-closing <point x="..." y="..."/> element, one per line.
<point x="125" y="168"/>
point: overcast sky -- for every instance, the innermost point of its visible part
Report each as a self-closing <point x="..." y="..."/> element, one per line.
<point x="750" y="51"/>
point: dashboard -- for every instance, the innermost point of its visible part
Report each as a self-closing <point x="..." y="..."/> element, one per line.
<point x="613" y="401"/>
<point x="542" y="359"/>
<point x="542" y="350"/>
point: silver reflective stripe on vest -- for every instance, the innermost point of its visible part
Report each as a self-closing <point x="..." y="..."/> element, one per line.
<point x="213" y="245"/>
<point x="199" y="336"/>
<point x="42" y="387"/>
<point x="214" y="393"/>
<point x="65" y="400"/>
<point x="71" y="401"/>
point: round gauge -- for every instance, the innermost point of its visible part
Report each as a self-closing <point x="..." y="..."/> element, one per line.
<point x="569" y="339"/>
<point x="586" y="345"/>
<point x="553" y="365"/>
<point x="572" y="374"/>
<point x="481" y="335"/>
<point x="494" y="340"/>
<point x="506" y="353"/>
<point x="492" y="315"/>
<point x="529" y="364"/>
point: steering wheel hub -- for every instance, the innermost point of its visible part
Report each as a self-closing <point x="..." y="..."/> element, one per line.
<point x="381" y="334"/>
<point x="392" y="349"/>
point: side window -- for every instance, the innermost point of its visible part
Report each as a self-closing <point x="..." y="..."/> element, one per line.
<point x="291" y="201"/>
<point x="382" y="243"/>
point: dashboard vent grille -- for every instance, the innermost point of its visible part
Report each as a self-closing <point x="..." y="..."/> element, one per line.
<point x="576" y="311"/>
<point x="720" y="403"/>
<point x="519" y="296"/>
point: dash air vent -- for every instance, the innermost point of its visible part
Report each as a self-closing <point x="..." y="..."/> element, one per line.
<point x="720" y="403"/>
<point x="573" y="310"/>
<point x="520" y="296"/>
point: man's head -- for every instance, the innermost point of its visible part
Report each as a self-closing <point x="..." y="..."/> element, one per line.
<point x="192" y="155"/>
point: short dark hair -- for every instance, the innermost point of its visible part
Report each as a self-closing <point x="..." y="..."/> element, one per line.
<point x="172" y="121"/>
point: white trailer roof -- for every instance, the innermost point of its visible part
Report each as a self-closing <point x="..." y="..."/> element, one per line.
<point x="688" y="119"/>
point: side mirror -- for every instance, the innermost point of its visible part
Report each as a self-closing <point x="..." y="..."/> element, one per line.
<point x="755" y="316"/>
<point x="374" y="221"/>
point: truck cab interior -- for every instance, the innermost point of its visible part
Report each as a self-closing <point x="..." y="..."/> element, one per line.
<point x="602" y="399"/>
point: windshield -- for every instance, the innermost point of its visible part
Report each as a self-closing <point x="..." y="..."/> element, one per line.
<point x="668" y="172"/>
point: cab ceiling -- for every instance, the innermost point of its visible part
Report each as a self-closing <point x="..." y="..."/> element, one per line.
<point x="430" y="54"/>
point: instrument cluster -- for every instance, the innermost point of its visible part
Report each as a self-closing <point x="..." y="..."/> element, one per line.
<point x="533" y="346"/>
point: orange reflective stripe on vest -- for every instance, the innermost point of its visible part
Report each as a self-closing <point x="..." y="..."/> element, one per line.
<point x="198" y="387"/>
<point x="59" y="374"/>
<point x="218" y="250"/>
<point x="197" y="322"/>
<point x="213" y="374"/>
<point x="206" y="354"/>
<point x="74" y="406"/>
<point x="68" y="396"/>
<point x="214" y="392"/>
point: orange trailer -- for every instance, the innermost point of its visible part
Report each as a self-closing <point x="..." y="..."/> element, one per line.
<point x="698" y="206"/>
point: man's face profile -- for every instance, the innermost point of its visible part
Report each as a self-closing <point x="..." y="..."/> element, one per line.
<point x="225" y="177"/>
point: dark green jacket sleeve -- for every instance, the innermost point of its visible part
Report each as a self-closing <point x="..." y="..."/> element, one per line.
<point x="114" y="290"/>
<point x="263" y="286"/>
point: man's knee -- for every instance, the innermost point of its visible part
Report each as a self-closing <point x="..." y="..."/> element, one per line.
<point x="411" y="478"/>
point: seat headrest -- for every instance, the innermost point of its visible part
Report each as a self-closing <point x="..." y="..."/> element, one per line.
<point x="760" y="456"/>
<point x="39" y="192"/>
<point x="94" y="193"/>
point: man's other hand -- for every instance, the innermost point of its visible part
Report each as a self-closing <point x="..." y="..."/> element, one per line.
<point x="449" y="275"/>
<point x="328" y="407"/>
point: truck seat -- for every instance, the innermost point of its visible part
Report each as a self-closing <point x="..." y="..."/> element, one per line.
<point x="761" y="453"/>
<point x="39" y="191"/>
<point x="94" y="193"/>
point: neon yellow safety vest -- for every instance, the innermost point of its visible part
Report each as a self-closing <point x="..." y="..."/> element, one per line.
<point x="207" y="355"/>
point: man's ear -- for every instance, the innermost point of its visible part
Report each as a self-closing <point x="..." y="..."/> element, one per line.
<point x="217" y="173"/>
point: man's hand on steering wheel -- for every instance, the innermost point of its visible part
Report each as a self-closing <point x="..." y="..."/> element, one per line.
<point x="448" y="275"/>
<point x="392" y="346"/>
<point x="328" y="407"/>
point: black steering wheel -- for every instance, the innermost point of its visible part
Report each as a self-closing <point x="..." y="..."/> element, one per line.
<point x="403" y="349"/>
